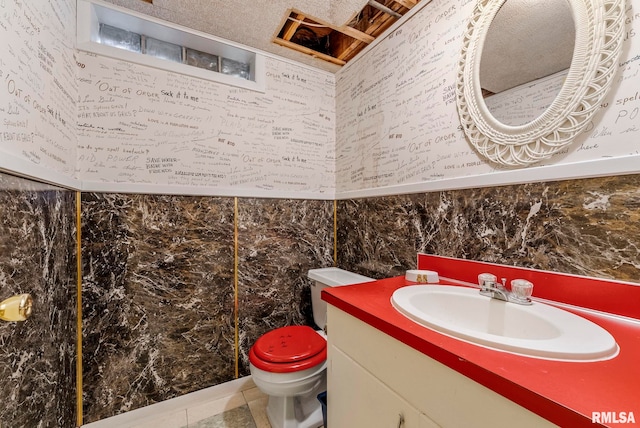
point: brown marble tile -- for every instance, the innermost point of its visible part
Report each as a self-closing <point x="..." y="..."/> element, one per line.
<point x="587" y="227"/>
<point x="158" y="273"/>
<point x="158" y="298"/>
<point x="279" y="241"/>
<point x="37" y="256"/>
<point x="158" y="295"/>
<point x="158" y="292"/>
<point x="377" y="236"/>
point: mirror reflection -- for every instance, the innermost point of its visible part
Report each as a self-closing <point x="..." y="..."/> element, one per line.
<point x="525" y="57"/>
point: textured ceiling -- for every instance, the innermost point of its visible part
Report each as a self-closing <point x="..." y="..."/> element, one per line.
<point x="250" y="22"/>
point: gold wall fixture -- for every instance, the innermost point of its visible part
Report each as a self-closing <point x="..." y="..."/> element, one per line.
<point x="16" y="308"/>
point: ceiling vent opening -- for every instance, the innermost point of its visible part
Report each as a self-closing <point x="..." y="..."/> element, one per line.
<point x="338" y="45"/>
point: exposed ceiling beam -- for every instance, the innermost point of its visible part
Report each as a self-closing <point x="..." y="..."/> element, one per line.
<point x="346" y="40"/>
<point x="406" y="3"/>
<point x="380" y="23"/>
<point x="356" y="34"/>
<point x="308" y="51"/>
<point x="293" y="26"/>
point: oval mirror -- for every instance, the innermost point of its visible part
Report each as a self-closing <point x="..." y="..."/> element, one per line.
<point x="517" y="52"/>
<point x="563" y="112"/>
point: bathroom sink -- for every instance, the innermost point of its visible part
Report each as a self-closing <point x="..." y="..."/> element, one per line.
<point x="537" y="330"/>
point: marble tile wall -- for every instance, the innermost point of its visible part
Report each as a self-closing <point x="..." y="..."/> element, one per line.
<point x="37" y="256"/>
<point x="587" y="227"/>
<point x="159" y="296"/>
<point x="159" y="308"/>
<point x="279" y="241"/>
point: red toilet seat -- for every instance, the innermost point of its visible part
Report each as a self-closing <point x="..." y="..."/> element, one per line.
<point x="288" y="349"/>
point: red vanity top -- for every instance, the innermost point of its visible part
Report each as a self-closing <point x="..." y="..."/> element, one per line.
<point x="565" y="393"/>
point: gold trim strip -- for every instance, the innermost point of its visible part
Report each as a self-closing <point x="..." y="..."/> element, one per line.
<point x="335" y="232"/>
<point x="235" y="285"/>
<point x="79" y="308"/>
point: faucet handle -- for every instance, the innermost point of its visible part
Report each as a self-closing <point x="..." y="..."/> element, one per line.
<point x="486" y="279"/>
<point x="521" y="289"/>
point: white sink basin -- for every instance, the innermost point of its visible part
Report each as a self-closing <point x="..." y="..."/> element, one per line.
<point x="537" y="330"/>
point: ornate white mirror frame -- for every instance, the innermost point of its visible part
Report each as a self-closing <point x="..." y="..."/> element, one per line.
<point x="599" y="26"/>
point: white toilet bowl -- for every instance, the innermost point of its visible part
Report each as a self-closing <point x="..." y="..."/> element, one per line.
<point x="289" y="365"/>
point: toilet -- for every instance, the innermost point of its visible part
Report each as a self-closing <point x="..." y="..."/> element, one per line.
<point x="289" y="363"/>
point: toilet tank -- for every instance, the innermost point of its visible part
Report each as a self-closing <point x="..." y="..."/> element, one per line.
<point x="329" y="277"/>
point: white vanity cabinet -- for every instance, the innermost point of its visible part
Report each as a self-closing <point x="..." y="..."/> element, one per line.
<point x="364" y="401"/>
<point x="376" y="381"/>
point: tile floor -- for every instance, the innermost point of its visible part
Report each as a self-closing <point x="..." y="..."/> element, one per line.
<point x="235" y="404"/>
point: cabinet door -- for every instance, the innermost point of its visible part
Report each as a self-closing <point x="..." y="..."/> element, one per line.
<point x="425" y="384"/>
<point x="356" y="398"/>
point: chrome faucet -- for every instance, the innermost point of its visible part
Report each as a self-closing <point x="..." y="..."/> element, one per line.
<point x="520" y="293"/>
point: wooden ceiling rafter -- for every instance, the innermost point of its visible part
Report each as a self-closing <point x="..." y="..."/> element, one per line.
<point x="308" y="51"/>
<point x="406" y="3"/>
<point x="342" y="42"/>
<point x="293" y="25"/>
<point x="381" y="21"/>
<point x="299" y="19"/>
<point x="356" y="34"/>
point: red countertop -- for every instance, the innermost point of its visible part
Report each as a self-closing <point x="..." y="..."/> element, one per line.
<point x="565" y="393"/>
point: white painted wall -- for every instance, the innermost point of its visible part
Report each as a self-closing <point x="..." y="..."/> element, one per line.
<point x="38" y="90"/>
<point x="93" y="123"/>
<point x="397" y="122"/>
<point x="147" y="130"/>
<point x="387" y="123"/>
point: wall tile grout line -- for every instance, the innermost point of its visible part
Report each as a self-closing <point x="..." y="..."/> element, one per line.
<point x="235" y="286"/>
<point x="79" y="416"/>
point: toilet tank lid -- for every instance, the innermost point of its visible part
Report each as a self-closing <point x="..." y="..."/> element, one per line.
<point x="334" y="276"/>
